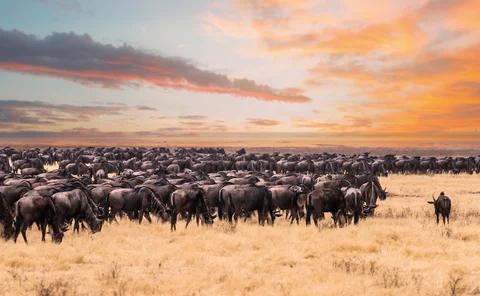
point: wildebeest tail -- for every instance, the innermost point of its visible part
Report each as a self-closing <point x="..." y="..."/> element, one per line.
<point x="172" y="201"/>
<point x="221" y="204"/>
<point x="356" y="212"/>
<point x="18" y="216"/>
<point x="308" y="209"/>
<point x="106" y="205"/>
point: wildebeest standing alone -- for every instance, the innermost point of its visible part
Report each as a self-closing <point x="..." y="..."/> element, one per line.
<point x="442" y="206"/>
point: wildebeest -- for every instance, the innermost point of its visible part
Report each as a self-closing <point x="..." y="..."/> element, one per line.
<point x="40" y="209"/>
<point x="187" y="202"/>
<point x="370" y="193"/>
<point x="130" y="201"/>
<point x="289" y="197"/>
<point x="353" y="203"/>
<point x="245" y="199"/>
<point x="324" y="200"/>
<point x="13" y="193"/>
<point x="76" y="205"/>
<point x="442" y="205"/>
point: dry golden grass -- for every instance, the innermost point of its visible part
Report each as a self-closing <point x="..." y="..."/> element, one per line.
<point x="400" y="252"/>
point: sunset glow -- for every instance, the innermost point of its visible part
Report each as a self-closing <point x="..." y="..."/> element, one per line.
<point x="240" y="73"/>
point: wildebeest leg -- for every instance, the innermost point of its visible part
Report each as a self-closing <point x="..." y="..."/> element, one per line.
<point x="443" y="217"/>
<point x="295" y="216"/>
<point x="315" y="218"/>
<point x="24" y="232"/>
<point x="140" y="216"/>
<point x="113" y="213"/>
<point x="197" y="216"/>
<point x="229" y="214"/>
<point x="286" y="214"/>
<point x="76" y="226"/>
<point x="448" y="219"/>
<point x="261" y="220"/>
<point x="43" y="227"/>
<point x="19" y="221"/>
<point x="173" y="221"/>
<point x="147" y="216"/>
<point x="189" y="218"/>
<point x="438" y="218"/>
<point x="307" y="215"/>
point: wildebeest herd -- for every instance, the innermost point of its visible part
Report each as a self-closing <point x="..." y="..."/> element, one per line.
<point x="92" y="185"/>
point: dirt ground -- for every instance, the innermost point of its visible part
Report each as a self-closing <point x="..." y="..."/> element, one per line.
<point x="399" y="252"/>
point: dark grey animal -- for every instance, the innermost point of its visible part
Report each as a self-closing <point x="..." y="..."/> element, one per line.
<point x="370" y="193"/>
<point x="130" y="201"/>
<point x="39" y="209"/>
<point x="325" y="200"/>
<point x="76" y="205"/>
<point x="353" y="203"/>
<point x="442" y="205"/>
<point x="187" y="202"/>
<point x="14" y="192"/>
<point x="289" y="197"/>
<point x="245" y="199"/>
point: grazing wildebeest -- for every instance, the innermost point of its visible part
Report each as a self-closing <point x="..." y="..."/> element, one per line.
<point x="353" y="203"/>
<point x="243" y="200"/>
<point x="325" y="200"/>
<point x="442" y="206"/>
<point x="6" y="218"/>
<point x="40" y="209"/>
<point x="140" y="199"/>
<point x="76" y="205"/>
<point x="187" y="202"/>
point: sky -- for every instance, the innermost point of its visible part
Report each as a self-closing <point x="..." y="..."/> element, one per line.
<point x="237" y="73"/>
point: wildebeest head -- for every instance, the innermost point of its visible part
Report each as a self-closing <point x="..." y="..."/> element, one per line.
<point x="435" y="200"/>
<point x="57" y="236"/>
<point x="277" y="213"/>
<point x="383" y="194"/>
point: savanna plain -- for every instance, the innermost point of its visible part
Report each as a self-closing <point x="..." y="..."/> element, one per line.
<point x="401" y="251"/>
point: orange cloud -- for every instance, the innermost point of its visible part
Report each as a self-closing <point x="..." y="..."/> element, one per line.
<point x="262" y="122"/>
<point x="95" y="64"/>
